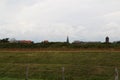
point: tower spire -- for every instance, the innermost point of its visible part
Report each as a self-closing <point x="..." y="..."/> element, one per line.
<point x="67" y="39"/>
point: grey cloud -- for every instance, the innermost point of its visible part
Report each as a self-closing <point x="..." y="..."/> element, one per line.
<point x="55" y="19"/>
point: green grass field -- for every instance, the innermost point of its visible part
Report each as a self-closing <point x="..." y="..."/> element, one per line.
<point x="83" y="65"/>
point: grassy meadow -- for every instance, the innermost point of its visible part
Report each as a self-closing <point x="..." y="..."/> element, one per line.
<point x="47" y="65"/>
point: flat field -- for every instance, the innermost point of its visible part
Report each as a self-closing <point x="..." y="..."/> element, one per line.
<point x="48" y="65"/>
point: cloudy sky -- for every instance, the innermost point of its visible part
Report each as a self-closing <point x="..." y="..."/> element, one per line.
<point x="54" y="20"/>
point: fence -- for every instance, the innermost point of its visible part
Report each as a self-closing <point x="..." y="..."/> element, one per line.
<point x="58" y="73"/>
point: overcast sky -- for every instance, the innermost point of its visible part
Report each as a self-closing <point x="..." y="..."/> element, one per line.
<point x="54" y="20"/>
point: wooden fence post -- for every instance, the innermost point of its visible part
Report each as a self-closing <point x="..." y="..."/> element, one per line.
<point x="116" y="73"/>
<point x="63" y="76"/>
<point x="27" y="72"/>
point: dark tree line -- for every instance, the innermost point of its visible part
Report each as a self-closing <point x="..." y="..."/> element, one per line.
<point x="59" y="45"/>
<point x="4" y="40"/>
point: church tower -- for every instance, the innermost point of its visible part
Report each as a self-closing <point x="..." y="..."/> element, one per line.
<point x="67" y="39"/>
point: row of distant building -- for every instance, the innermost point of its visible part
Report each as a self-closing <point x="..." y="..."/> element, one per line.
<point x="21" y="41"/>
<point x="106" y="41"/>
<point x="13" y="40"/>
